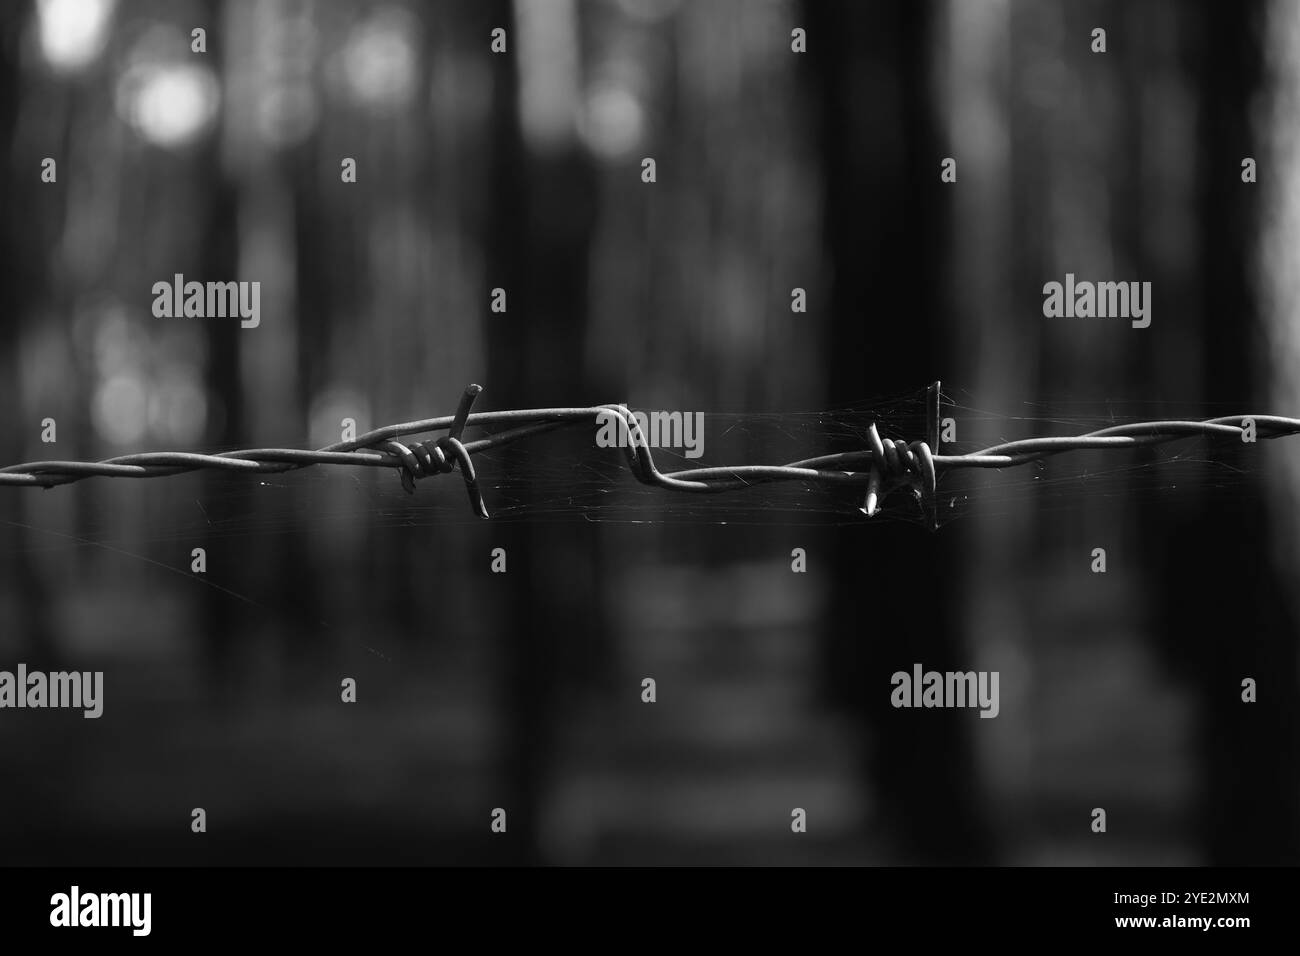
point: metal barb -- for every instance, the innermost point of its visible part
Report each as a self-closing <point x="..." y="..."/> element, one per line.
<point x="897" y="464"/>
<point x="442" y="456"/>
<point x="933" y="422"/>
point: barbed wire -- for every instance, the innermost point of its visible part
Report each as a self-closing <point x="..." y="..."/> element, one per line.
<point x="882" y="468"/>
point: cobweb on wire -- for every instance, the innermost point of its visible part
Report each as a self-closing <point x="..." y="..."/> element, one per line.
<point x="1184" y="472"/>
<point x="543" y="481"/>
<point x="563" y="476"/>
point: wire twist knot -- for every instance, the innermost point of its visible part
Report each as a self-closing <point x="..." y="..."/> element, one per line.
<point x="898" y="464"/>
<point x="440" y="457"/>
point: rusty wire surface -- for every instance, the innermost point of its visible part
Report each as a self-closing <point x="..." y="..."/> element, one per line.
<point x="881" y="468"/>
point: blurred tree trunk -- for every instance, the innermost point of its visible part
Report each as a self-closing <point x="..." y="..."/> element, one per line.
<point x="26" y="241"/>
<point x="220" y="259"/>
<point x="885" y="231"/>
<point x="1221" y="612"/>
<point x="537" y="245"/>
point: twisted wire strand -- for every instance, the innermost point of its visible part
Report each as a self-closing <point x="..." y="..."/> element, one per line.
<point x="883" y="467"/>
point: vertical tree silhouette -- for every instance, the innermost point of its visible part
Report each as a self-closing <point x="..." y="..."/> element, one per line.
<point x="1220" y="608"/>
<point x="25" y="238"/>
<point x="219" y="252"/>
<point x="537" y="237"/>
<point x="884" y="229"/>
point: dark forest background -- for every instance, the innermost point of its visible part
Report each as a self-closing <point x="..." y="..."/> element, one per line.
<point x="521" y="170"/>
